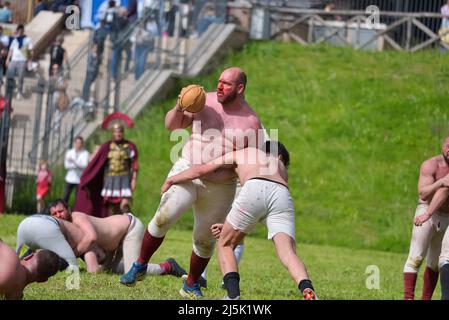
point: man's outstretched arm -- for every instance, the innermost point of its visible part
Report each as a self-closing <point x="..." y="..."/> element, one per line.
<point x="82" y="221"/>
<point x="197" y="171"/>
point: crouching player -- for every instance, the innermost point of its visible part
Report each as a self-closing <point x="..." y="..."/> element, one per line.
<point x="120" y="236"/>
<point x="264" y="197"/>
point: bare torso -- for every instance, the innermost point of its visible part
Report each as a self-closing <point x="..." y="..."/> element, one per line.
<point x="254" y="163"/>
<point x="110" y="231"/>
<point x="441" y="169"/>
<point x="216" y="131"/>
<point x="12" y="274"/>
<point x="72" y="233"/>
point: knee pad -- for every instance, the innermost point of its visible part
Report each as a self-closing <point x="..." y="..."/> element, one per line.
<point x="413" y="264"/>
<point x="203" y="247"/>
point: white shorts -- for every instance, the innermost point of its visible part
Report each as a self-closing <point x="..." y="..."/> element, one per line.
<point x="129" y="248"/>
<point x="263" y="201"/>
<point x="426" y="241"/>
<point x="210" y="202"/>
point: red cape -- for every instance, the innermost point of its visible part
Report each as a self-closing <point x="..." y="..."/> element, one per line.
<point x="89" y="199"/>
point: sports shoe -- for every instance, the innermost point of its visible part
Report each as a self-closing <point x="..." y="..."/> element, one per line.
<point x="136" y="273"/>
<point x="192" y="293"/>
<point x="175" y="269"/>
<point x="309" y="294"/>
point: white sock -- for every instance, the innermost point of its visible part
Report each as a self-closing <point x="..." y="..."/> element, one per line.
<point x="154" y="269"/>
<point x="204" y="275"/>
<point x="238" y="252"/>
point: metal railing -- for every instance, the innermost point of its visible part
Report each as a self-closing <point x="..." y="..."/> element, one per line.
<point x="402" y="31"/>
<point x="111" y="93"/>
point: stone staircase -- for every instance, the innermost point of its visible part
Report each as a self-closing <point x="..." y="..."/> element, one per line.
<point x="174" y="58"/>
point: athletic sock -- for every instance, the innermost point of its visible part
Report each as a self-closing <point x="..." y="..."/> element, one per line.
<point x="231" y="281"/>
<point x="149" y="246"/>
<point x="238" y="252"/>
<point x="197" y="266"/>
<point x="305" y="284"/>
<point x="204" y="274"/>
<point x="409" y="285"/>
<point x="166" y="267"/>
<point x="430" y="282"/>
<point x="155" y="270"/>
<point x="444" y="275"/>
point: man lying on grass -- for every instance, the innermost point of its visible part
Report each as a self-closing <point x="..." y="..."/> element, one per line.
<point x="264" y="197"/>
<point x="15" y="275"/>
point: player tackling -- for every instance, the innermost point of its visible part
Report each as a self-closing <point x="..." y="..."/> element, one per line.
<point x="264" y="197"/>
<point x="217" y="129"/>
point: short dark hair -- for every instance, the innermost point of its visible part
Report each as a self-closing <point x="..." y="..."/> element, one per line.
<point x="55" y="203"/>
<point x="21" y="27"/>
<point x="241" y="78"/>
<point x="79" y="138"/>
<point x="272" y="145"/>
<point x="48" y="263"/>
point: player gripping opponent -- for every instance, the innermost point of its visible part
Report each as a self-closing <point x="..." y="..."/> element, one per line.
<point x="225" y="119"/>
<point x="264" y="197"/>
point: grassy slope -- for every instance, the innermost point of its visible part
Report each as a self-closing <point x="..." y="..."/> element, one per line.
<point x="337" y="273"/>
<point x="357" y="124"/>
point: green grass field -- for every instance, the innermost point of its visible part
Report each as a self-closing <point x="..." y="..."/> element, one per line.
<point x="337" y="273"/>
<point x="357" y="125"/>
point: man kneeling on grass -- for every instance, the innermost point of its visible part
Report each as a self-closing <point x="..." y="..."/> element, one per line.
<point x="109" y="244"/>
<point x="120" y="236"/>
<point x="15" y="275"/>
<point x="264" y="197"/>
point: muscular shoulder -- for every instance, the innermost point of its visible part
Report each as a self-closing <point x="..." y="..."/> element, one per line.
<point x="81" y="216"/>
<point x="211" y="100"/>
<point x="430" y="166"/>
<point x="252" y="117"/>
<point x="9" y="265"/>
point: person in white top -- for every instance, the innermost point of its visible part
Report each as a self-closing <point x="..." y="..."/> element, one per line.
<point x="20" y="52"/>
<point x="75" y="161"/>
<point x="445" y="13"/>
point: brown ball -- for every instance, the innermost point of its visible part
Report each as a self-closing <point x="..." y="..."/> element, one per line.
<point x="192" y="98"/>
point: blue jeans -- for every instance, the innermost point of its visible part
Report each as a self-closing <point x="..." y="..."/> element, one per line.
<point x="116" y="57"/>
<point x="141" y="53"/>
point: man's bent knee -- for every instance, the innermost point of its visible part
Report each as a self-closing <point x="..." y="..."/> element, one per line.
<point x="203" y="248"/>
<point x="413" y="263"/>
<point x="157" y="230"/>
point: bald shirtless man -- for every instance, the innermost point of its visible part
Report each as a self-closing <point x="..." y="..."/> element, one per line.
<point x="430" y="222"/>
<point x="264" y="198"/>
<point x="226" y="123"/>
<point x="15" y="275"/>
<point x="120" y="236"/>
